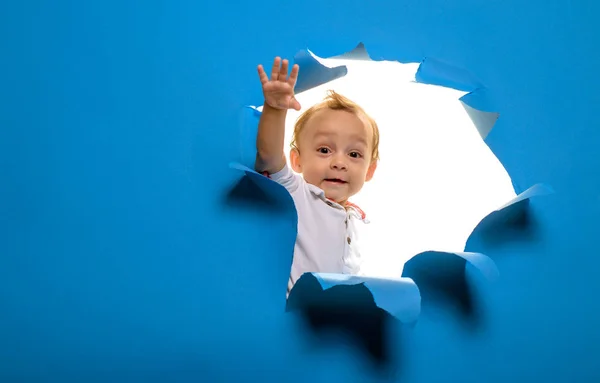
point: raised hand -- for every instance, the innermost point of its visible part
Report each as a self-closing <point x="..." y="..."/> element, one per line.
<point x="279" y="90"/>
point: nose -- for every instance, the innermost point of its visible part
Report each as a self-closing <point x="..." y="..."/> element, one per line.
<point x="339" y="163"/>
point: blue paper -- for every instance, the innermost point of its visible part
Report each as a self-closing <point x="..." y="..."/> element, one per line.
<point x="483" y="121"/>
<point x="445" y="284"/>
<point x="249" y="129"/>
<point x="402" y="297"/>
<point x="515" y="207"/>
<point x="478" y="107"/>
<point x="117" y="264"/>
<point x="510" y="222"/>
<point x="358" y="53"/>
<point x="269" y="186"/>
<point x="436" y="72"/>
<point x="439" y="263"/>
<point x="536" y="190"/>
<point x="480" y="99"/>
<point x="312" y="73"/>
<point x="399" y="297"/>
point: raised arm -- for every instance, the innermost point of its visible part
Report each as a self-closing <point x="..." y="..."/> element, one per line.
<point x="279" y="97"/>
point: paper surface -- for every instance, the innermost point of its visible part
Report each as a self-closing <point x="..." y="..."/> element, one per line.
<point x="483" y="121"/>
<point x="399" y="297"/>
<point x="516" y="206"/>
<point x="270" y="187"/>
<point x="116" y="265"/>
<point x="536" y="190"/>
<point x="436" y="72"/>
<point x="445" y="284"/>
<point x="510" y="221"/>
<point x="358" y="53"/>
<point x="312" y="73"/>
<point x="249" y="129"/>
<point x="442" y="264"/>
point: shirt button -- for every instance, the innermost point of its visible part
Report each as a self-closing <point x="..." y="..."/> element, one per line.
<point x="349" y="240"/>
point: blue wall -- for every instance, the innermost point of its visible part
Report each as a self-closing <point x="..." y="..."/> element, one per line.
<point x="125" y="255"/>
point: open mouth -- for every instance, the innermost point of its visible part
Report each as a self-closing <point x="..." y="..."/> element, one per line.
<point x="335" y="180"/>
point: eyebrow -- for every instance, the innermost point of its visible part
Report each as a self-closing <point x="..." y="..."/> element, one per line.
<point x="354" y="137"/>
<point x="361" y="140"/>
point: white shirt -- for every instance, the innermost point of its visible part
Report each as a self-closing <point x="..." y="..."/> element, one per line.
<point x="327" y="240"/>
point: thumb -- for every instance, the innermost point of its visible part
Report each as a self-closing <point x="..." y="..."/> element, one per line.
<point x="295" y="104"/>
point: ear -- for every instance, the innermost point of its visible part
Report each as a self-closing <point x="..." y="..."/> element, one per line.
<point x="295" y="160"/>
<point x="371" y="171"/>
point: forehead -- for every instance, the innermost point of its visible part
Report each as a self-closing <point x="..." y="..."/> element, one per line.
<point x="339" y="123"/>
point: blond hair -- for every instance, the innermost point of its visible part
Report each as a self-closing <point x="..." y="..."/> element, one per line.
<point x="336" y="101"/>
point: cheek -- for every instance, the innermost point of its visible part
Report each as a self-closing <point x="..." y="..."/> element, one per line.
<point x="312" y="165"/>
<point x="360" y="171"/>
<point x="317" y="163"/>
<point x="318" y="169"/>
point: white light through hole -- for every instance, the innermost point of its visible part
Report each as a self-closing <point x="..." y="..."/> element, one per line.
<point x="436" y="178"/>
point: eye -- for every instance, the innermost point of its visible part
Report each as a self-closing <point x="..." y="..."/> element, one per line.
<point x="323" y="150"/>
<point x="355" y="155"/>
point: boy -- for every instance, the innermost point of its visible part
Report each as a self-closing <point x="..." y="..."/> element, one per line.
<point x="335" y="149"/>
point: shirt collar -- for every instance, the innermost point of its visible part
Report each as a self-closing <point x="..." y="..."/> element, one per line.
<point x="317" y="191"/>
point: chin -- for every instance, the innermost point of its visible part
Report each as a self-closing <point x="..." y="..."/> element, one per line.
<point x="336" y="197"/>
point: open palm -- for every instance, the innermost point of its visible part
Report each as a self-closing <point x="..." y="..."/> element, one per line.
<point x="279" y="90"/>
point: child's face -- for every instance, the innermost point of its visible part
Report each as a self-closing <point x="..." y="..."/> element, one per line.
<point x="335" y="150"/>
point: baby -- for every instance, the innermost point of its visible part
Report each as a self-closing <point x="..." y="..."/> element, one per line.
<point x="335" y="149"/>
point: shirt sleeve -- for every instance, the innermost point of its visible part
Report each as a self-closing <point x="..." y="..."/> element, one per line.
<point x="287" y="178"/>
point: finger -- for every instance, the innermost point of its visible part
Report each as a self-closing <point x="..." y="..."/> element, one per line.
<point x="262" y="75"/>
<point x="295" y="104"/>
<point x="283" y="73"/>
<point x="294" y="75"/>
<point x="275" y="69"/>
